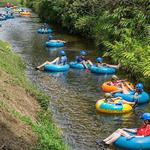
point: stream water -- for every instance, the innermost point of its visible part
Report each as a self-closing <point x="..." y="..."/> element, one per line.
<point x="72" y="94"/>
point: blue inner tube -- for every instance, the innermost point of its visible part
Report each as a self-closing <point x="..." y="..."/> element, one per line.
<point x="3" y="18"/>
<point x="76" y="65"/>
<point x="103" y="70"/>
<point x="56" y="68"/>
<point x="42" y="31"/>
<point x="54" y="44"/>
<point x="142" y="98"/>
<point x="9" y="17"/>
<point x="141" y="143"/>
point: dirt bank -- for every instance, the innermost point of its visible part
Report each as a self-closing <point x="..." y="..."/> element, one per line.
<point x="14" y="134"/>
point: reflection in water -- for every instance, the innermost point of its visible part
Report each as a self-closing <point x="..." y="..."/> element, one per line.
<point x="73" y="94"/>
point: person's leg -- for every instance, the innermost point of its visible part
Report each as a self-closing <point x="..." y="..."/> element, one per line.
<point x="109" y="137"/>
<point x="47" y="62"/>
<point x="42" y="64"/>
<point x="84" y="64"/>
<point x="88" y="61"/>
<point x="124" y="89"/>
<point x="114" y="66"/>
<point x="113" y="137"/>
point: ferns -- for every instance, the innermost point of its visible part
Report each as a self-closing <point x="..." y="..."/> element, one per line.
<point x="122" y="26"/>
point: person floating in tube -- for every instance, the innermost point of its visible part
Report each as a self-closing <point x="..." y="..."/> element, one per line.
<point x="61" y="60"/>
<point x="126" y="89"/>
<point x="143" y="131"/>
<point x="83" y="60"/>
<point x="108" y="98"/>
<point x="99" y="63"/>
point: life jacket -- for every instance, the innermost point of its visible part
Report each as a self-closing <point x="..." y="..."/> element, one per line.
<point x="143" y="130"/>
<point x="136" y="95"/>
<point x="63" y="60"/>
<point x="79" y="59"/>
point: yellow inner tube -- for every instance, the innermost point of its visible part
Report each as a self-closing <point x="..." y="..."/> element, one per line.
<point x="102" y="106"/>
<point x="25" y="13"/>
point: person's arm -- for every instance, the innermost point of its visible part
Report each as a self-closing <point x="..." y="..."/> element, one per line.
<point x="117" y="98"/>
<point x="84" y="64"/>
<point x="126" y="102"/>
<point x="120" y="90"/>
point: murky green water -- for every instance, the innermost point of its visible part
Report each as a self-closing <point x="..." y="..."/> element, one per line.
<point x="73" y="94"/>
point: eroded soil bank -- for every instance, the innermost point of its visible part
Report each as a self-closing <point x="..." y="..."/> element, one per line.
<point x="25" y="122"/>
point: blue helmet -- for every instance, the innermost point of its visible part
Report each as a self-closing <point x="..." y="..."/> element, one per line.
<point x="50" y="37"/>
<point x="99" y="59"/>
<point x="139" y="86"/>
<point x="83" y="53"/>
<point x="146" y="116"/>
<point x="62" y="53"/>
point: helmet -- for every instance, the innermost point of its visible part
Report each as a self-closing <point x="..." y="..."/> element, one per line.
<point x="50" y="37"/>
<point x="114" y="77"/>
<point x="146" y="116"/>
<point x="83" y="53"/>
<point x="62" y="53"/>
<point x="99" y="59"/>
<point x="139" y="86"/>
<point x="108" y="95"/>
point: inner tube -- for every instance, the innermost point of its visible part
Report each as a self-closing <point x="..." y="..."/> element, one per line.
<point x="54" y="44"/>
<point x="102" y="106"/>
<point x="102" y="70"/>
<point x="9" y="17"/>
<point x="25" y="13"/>
<point x="56" y="68"/>
<point x="76" y="65"/>
<point x="42" y="31"/>
<point x="142" y="98"/>
<point x="2" y="18"/>
<point x="140" y="143"/>
<point x="106" y="87"/>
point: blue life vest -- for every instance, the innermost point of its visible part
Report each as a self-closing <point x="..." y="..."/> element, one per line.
<point x="63" y="60"/>
<point x="79" y="59"/>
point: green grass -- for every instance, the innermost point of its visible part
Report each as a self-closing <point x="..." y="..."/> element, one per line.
<point x="14" y="2"/>
<point x="13" y="65"/>
<point x="48" y="133"/>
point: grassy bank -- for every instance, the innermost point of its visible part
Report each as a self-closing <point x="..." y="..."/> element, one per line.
<point x="4" y="2"/>
<point x="121" y="27"/>
<point x="49" y="137"/>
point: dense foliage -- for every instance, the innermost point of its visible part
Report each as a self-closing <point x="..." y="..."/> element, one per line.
<point x="122" y="26"/>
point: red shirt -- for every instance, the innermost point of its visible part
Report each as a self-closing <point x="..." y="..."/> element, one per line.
<point x="143" y="130"/>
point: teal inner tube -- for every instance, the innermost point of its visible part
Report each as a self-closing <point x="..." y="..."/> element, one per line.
<point x="42" y="31"/>
<point x="140" y="143"/>
<point x="76" y="65"/>
<point x="142" y="98"/>
<point x="54" y="44"/>
<point x="2" y="18"/>
<point x="9" y="17"/>
<point x="56" y="68"/>
<point x="102" y="70"/>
